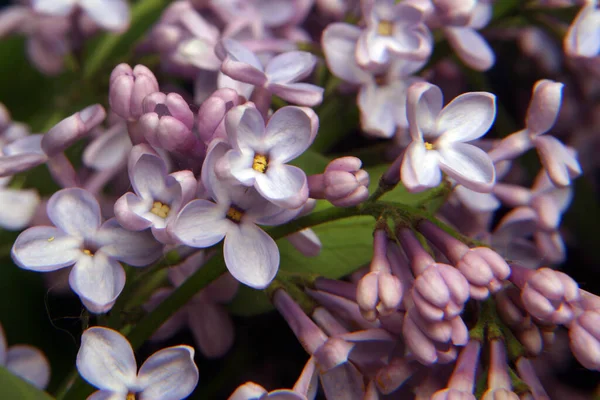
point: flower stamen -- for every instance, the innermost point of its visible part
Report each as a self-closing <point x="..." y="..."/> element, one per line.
<point x="88" y="252"/>
<point x="260" y="163"/>
<point x="385" y="28"/>
<point x="160" y="209"/>
<point x="428" y="146"/>
<point x="235" y="214"/>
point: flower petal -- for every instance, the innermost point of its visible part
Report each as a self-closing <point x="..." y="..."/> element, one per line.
<point x="53" y="7"/>
<point x="106" y="361"/>
<point x="560" y="163"/>
<point x="303" y="94"/>
<point x="201" y="223"/>
<point x="469" y="166"/>
<point x="423" y="104"/>
<point x="20" y="205"/>
<point x="75" y="211"/>
<point x="288" y="134"/>
<point x="109" y="150"/>
<point x="283" y="185"/>
<point x="98" y="280"/>
<point x="251" y="255"/>
<point x="420" y="168"/>
<point x="240" y="63"/>
<point x="45" y="248"/>
<point x="212" y="328"/>
<point x="467" y="117"/>
<point x="112" y="15"/>
<point x="134" y="248"/>
<point x="339" y="41"/>
<point x="148" y="176"/>
<point x="168" y="374"/>
<point x="290" y="67"/>
<point x="30" y="364"/>
<point x="107" y="395"/>
<point x="245" y="129"/>
<point x="248" y="391"/>
<point x="471" y="47"/>
<point x="544" y="106"/>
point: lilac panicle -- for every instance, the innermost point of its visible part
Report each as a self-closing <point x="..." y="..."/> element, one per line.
<point x="128" y="88"/>
<point x="80" y="239"/>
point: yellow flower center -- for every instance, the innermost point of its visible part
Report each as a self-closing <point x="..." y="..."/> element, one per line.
<point x="428" y="146"/>
<point x="88" y="252"/>
<point x="260" y="163"/>
<point x="131" y="396"/>
<point x="385" y="28"/>
<point x="235" y="214"/>
<point x="160" y="209"/>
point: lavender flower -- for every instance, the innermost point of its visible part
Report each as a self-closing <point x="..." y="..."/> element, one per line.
<point x="112" y="15"/>
<point x="582" y="40"/>
<point x="95" y="249"/>
<point x="251" y="255"/>
<point x="106" y="360"/>
<point x="466" y="118"/>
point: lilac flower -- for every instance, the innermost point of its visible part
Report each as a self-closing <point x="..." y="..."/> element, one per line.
<point x="251" y="255"/>
<point x="259" y="153"/>
<point x="560" y="162"/>
<point x="79" y="238"/>
<point x="106" y="361"/>
<point x="17" y="206"/>
<point x="158" y="197"/>
<point x="582" y="41"/>
<point x="127" y="89"/>
<point x="252" y="391"/>
<point x="584" y="338"/>
<point x="467" y="117"/>
<point x="25" y="361"/>
<point x="393" y="30"/>
<point x="280" y="76"/>
<point x="112" y="15"/>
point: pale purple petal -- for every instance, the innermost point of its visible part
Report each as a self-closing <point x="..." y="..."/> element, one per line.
<point x="239" y="165"/>
<point x="275" y="12"/>
<point x="134" y="248"/>
<point x="46" y="248"/>
<point x="225" y="82"/>
<point x="339" y="41"/>
<point x="283" y="185"/>
<point x="467" y="117"/>
<point x="560" y="163"/>
<point x="106" y="361"/>
<point x="212" y="328"/>
<point x="544" y="106"/>
<point x="290" y="67"/>
<point x="98" y="280"/>
<point x="246" y="128"/>
<point x="54" y="7"/>
<point x="201" y="223"/>
<point x="420" y="168"/>
<point x="109" y="149"/>
<point x="583" y="36"/>
<point x="112" y="15"/>
<point x="28" y="363"/>
<point x="148" y="175"/>
<point x="251" y="255"/>
<point x="288" y="134"/>
<point x="471" y="47"/>
<point x="248" y="391"/>
<point x="107" y="395"/>
<point x="75" y="211"/>
<point x="11" y="165"/>
<point x="18" y="207"/>
<point x="209" y="180"/>
<point x="469" y="166"/>
<point x="304" y="94"/>
<point x="475" y="201"/>
<point x="241" y="64"/>
<point x="129" y="209"/>
<point x="343" y="381"/>
<point x="423" y="104"/>
<point x="376" y="110"/>
<point x="168" y="374"/>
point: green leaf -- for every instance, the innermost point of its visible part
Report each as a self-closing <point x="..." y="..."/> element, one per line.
<point x="111" y="47"/>
<point x="13" y="387"/>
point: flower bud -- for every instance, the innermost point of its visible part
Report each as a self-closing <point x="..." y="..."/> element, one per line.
<point x="345" y="183"/>
<point x="213" y="110"/>
<point x="584" y="335"/>
<point x="128" y="88"/>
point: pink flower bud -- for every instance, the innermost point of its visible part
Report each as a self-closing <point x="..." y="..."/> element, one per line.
<point x="128" y="88"/>
<point x="584" y="335"/>
<point x="345" y="183"/>
<point x="213" y="110"/>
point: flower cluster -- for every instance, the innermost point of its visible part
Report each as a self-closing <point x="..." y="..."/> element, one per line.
<point x="208" y="159"/>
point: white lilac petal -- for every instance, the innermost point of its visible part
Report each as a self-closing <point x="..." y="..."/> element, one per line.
<point x="544" y="106"/>
<point x="290" y="67"/>
<point x="471" y="47"/>
<point x="475" y="201"/>
<point x="129" y="210"/>
<point x="14" y="164"/>
<point x="245" y="128"/>
<point x="168" y="374"/>
<point x="237" y="164"/>
<point x="107" y="395"/>
<point x="469" y="166"/>
<point x="212" y="328"/>
<point x="112" y="15"/>
<point x="135" y="248"/>
<point x="28" y="363"/>
<point x="288" y="134"/>
<point x="148" y="176"/>
<point x="97" y="279"/>
<point x="106" y="361"/>
<point x="208" y="177"/>
<point x="18" y="208"/>
<point x="339" y="41"/>
<point x="224" y="81"/>
<point x="251" y="255"/>
<point x="583" y="36"/>
<point x="201" y="223"/>
<point x="240" y="63"/>
<point x="420" y="168"/>
<point x="306" y="242"/>
<point x="275" y="13"/>
<point x="46" y="248"/>
<point x="423" y="104"/>
<point x="109" y="150"/>
<point x="467" y="117"/>
<point x="31" y="144"/>
<point x="377" y="115"/>
<point x="560" y="164"/>
<point x="305" y="94"/>
<point x="248" y="391"/>
<point x="54" y="7"/>
<point x="283" y="185"/>
<point x="75" y="211"/>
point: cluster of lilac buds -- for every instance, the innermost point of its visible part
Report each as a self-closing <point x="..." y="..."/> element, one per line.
<point x="359" y="167"/>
